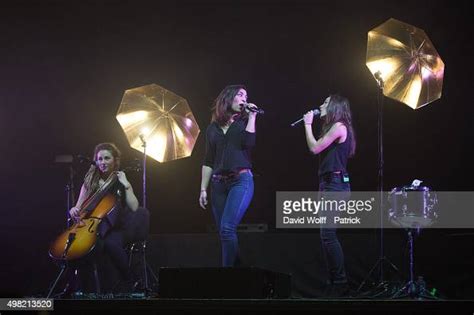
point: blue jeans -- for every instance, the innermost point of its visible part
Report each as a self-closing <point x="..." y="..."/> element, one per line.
<point x="332" y="250"/>
<point x="230" y="200"/>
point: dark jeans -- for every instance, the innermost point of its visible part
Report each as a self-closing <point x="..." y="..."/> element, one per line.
<point x="230" y="200"/>
<point x="332" y="250"/>
<point x="133" y="226"/>
<point x="110" y="254"/>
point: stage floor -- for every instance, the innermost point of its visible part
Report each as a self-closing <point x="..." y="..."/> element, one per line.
<point x="272" y="306"/>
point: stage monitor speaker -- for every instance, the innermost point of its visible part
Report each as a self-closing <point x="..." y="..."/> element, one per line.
<point x="223" y="283"/>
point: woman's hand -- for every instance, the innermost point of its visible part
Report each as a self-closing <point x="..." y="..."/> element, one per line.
<point x="308" y="118"/>
<point x="247" y="109"/>
<point x="74" y="213"/>
<point x="203" y="199"/>
<point x="123" y="180"/>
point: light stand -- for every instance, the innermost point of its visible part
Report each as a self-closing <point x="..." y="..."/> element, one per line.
<point x="413" y="71"/>
<point x="146" y="267"/>
<point x="142" y="138"/>
<point x="382" y="258"/>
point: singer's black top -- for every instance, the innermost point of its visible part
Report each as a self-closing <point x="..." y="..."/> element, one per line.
<point x="228" y="152"/>
<point x="334" y="158"/>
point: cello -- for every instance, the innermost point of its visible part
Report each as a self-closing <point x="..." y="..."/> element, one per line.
<point x="80" y="239"/>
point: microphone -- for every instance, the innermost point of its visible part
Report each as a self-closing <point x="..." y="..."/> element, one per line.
<point x="85" y="159"/>
<point x="316" y="113"/>
<point x="253" y="109"/>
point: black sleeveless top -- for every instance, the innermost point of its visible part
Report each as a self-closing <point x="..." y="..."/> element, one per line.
<point x="334" y="158"/>
<point x="116" y="216"/>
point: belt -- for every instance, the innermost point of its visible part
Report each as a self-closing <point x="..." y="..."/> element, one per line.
<point x="229" y="176"/>
<point x="336" y="174"/>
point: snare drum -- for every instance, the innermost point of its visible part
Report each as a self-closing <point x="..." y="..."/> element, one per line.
<point x="412" y="207"/>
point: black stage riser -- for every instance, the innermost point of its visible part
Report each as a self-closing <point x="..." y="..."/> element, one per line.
<point x="223" y="283"/>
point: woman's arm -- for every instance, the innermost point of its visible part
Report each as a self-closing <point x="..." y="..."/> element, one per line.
<point x="251" y="122"/>
<point x="130" y="198"/>
<point x="205" y="178"/>
<point x="337" y="131"/>
<point x="74" y="211"/>
<point x="252" y="118"/>
<point x="248" y="136"/>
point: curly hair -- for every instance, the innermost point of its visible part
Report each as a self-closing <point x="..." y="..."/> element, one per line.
<point x="91" y="180"/>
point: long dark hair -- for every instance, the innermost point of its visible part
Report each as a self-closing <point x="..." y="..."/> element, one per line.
<point x="222" y="109"/>
<point x="91" y="180"/>
<point x="338" y="110"/>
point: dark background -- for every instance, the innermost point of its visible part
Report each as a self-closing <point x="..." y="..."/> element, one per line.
<point x="65" y="66"/>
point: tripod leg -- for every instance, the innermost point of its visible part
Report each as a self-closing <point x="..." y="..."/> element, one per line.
<point x="148" y="269"/>
<point x="152" y="273"/>
<point x="400" y="293"/>
<point x="368" y="276"/>
<point x="96" y="279"/>
<point x="63" y="268"/>
<point x="392" y="265"/>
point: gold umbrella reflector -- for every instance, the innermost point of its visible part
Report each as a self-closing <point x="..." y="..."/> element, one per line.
<point x="407" y="62"/>
<point x="162" y="119"/>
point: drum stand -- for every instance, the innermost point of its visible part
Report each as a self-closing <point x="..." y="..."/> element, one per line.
<point x="414" y="289"/>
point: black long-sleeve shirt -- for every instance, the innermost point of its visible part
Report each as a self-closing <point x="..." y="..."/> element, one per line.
<point x="230" y="151"/>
